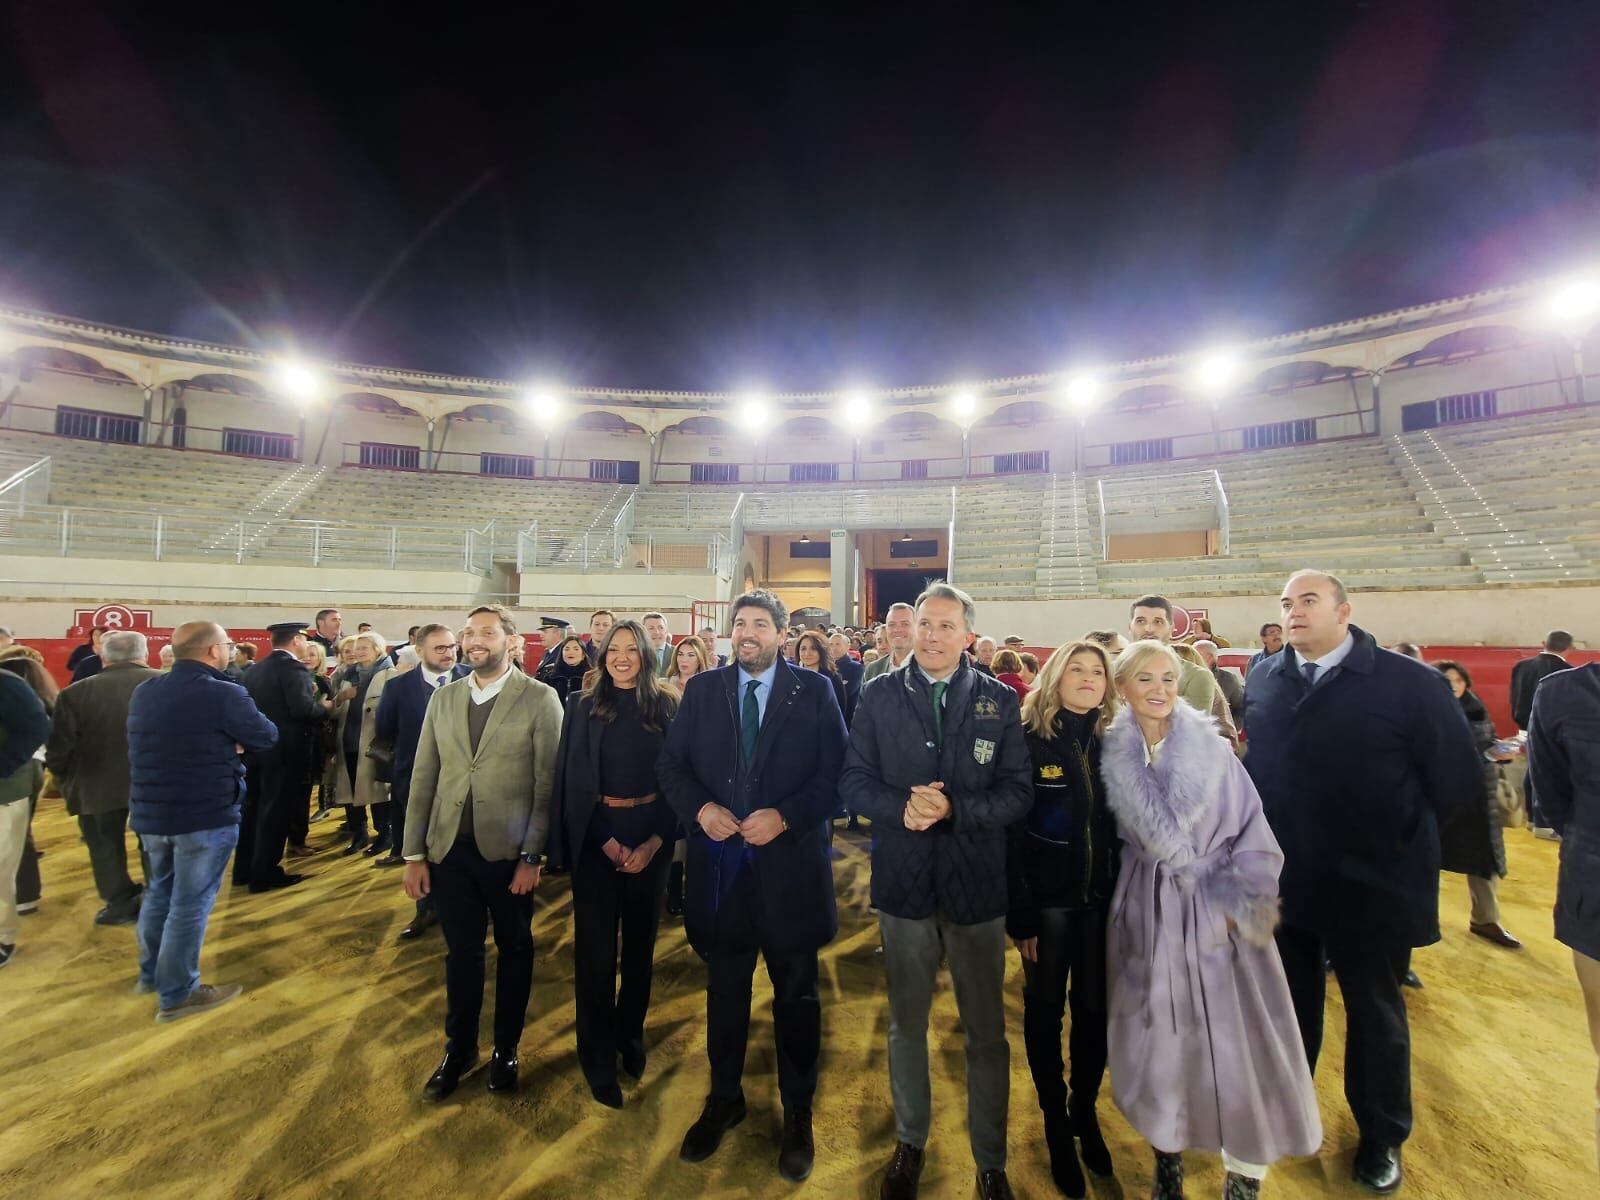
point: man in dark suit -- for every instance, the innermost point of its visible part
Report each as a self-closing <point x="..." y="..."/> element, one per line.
<point x="398" y="721"/>
<point x="751" y="766"/>
<point x="277" y="778"/>
<point x="1365" y="764"/>
<point x="1525" y="677"/>
<point x="1564" y="757"/>
<point x="88" y="755"/>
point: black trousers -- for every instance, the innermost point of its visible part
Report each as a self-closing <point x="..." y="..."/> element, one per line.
<point x="1072" y="950"/>
<point x="249" y="816"/>
<point x="106" y="836"/>
<point x="796" y="1008"/>
<point x="469" y="893"/>
<point x="299" y="810"/>
<point x="1377" y="1054"/>
<point x="606" y="902"/>
<point x="280" y="786"/>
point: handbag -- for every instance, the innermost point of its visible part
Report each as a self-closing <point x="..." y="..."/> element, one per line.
<point x="382" y="755"/>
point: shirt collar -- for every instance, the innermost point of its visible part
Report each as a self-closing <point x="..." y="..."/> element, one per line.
<point x="434" y="678"/>
<point x="764" y="679"/>
<point x="1332" y="658"/>
<point x="493" y="687"/>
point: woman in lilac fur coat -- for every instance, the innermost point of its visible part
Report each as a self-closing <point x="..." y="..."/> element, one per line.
<point x="1205" y="1052"/>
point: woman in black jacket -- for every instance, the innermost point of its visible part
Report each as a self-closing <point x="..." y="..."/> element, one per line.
<point x="1485" y="919"/>
<point x="616" y="830"/>
<point x="812" y="653"/>
<point x="566" y="670"/>
<point x="1061" y="867"/>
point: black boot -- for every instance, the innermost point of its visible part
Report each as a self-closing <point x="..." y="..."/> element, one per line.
<point x="1169" y="1177"/>
<point x="1086" y="1128"/>
<point x="675" y="889"/>
<point x="1064" y="1168"/>
<point x="1240" y="1187"/>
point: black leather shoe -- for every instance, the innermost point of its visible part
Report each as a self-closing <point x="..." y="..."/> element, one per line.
<point x="705" y="1135"/>
<point x="608" y="1094"/>
<point x="992" y="1185"/>
<point x="633" y="1061"/>
<point x="503" y="1071"/>
<point x="117" y="916"/>
<point x="798" y="1150"/>
<point x="1377" y="1168"/>
<point x="390" y="859"/>
<point x="379" y="846"/>
<point x="420" y="924"/>
<point x="445" y="1080"/>
<point x="277" y="881"/>
<point x="357" y="843"/>
<point x="1411" y="980"/>
<point x="905" y="1169"/>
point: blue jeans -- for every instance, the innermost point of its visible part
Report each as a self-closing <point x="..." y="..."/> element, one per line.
<point x="185" y="873"/>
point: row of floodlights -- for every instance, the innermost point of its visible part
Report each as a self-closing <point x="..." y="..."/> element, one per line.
<point x="1214" y="374"/>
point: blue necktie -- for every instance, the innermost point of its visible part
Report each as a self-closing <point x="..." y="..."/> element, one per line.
<point x="1309" y="670"/>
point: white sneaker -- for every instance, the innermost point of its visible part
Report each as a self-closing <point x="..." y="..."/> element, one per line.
<point x="1545" y="834"/>
<point x="29" y="906"/>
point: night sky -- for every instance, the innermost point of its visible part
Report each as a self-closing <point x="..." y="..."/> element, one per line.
<point x="786" y="202"/>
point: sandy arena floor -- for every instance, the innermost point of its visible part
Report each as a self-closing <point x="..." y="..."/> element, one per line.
<point x="309" y="1085"/>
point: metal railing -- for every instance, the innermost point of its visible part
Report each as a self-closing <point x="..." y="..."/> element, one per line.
<point x="850" y="509"/>
<point x="1179" y="502"/>
<point x="24" y="481"/>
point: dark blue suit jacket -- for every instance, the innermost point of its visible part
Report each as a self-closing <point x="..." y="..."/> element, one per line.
<point x="399" y="722"/>
<point x="851" y="672"/>
<point x="1564" y="760"/>
<point x="796" y="771"/>
<point x="1358" y="778"/>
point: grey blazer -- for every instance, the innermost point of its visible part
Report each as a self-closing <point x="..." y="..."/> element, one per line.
<point x="510" y="777"/>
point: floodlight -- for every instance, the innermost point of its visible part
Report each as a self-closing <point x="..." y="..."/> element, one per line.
<point x="545" y="405"/>
<point x="1081" y="391"/>
<point x="754" y="414"/>
<point x="297" y="381"/>
<point x="1576" y="303"/>
<point x="1218" y="371"/>
<point x="856" y="411"/>
<point x="964" y="404"/>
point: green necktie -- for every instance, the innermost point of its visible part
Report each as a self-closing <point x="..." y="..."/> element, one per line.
<point x="938" y="710"/>
<point x="750" y="721"/>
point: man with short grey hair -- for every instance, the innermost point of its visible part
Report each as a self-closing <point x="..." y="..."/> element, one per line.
<point x="88" y="754"/>
<point x="898" y="635"/>
<point x="1228" y="684"/>
<point x="938" y="763"/>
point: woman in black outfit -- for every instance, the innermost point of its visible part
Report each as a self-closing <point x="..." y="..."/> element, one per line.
<point x="812" y="653"/>
<point x="565" y="672"/>
<point x="1484" y="890"/>
<point x="1061" y="868"/>
<point x="616" y="831"/>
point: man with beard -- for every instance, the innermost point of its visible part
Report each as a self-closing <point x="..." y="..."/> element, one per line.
<point x="751" y="765"/>
<point x="476" y="823"/>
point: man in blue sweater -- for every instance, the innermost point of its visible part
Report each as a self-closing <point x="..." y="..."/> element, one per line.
<point x="186" y="731"/>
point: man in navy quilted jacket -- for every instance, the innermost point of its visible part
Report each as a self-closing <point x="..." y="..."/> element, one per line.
<point x="186" y="730"/>
<point x="938" y="763"/>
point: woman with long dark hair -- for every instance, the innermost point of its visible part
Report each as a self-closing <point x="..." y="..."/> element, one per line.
<point x="1061" y="865"/>
<point x="614" y="826"/>
<point x="1484" y="889"/>
<point x="566" y="670"/>
<point x="812" y="653"/>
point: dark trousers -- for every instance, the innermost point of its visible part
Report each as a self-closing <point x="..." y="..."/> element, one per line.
<point x="106" y="836"/>
<point x="606" y="901"/>
<point x="469" y="892"/>
<point x="796" y="1011"/>
<point x="1071" y="950"/>
<point x="249" y="811"/>
<point x="1377" y="1054"/>
<point x="29" y="886"/>
<point x="280" y="786"/>
<point x="299" y="810"/>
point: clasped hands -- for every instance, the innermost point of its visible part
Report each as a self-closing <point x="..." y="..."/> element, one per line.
<point x="927" y="806"/>
<point x="631" y="862"/>
<point x="759" y="828"/>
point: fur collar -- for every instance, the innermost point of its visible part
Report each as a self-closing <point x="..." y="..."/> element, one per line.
<point x="1158" y="806"/>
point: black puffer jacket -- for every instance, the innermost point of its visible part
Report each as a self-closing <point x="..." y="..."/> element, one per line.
<point x="959" y="866"/>
<point x="1064" y="853"/>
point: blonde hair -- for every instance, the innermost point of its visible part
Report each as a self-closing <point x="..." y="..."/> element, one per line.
<point x="694" y="643"/>
<point x="316" y="651"/>
<point x="375" y="640"/>
<point x="1041" y="706"/>
<point x="1135" y="656"/>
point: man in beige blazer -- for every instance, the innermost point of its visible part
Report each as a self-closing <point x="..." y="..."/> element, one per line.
<point x="476" y="823"/>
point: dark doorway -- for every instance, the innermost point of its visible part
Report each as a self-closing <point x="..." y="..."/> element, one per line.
<point x="886" y="587"/>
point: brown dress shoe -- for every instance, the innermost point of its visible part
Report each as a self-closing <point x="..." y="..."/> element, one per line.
<point x="1493" y="931"/>
<point x="992" y="1185"/>
<point x="905" y="1168"/>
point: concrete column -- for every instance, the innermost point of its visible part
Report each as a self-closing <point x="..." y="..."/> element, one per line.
<point x="841" y="579"/>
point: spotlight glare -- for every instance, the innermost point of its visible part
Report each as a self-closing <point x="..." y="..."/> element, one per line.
<point x="297" y="381"/>
<point x="545" y="405"/>
<point x="1575" y="303"/>
<point x="754" y="415"/>
<point x="856" y="411"/>
<point x="1081" y="391"/>
<point x="964" y="404"/>
<point x="1218" y="372"/>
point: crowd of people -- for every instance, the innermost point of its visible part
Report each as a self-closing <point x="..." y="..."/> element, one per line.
<point x="1180" y="856"/>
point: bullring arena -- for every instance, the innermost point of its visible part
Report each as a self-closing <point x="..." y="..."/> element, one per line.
<point x="1443" y="460"/>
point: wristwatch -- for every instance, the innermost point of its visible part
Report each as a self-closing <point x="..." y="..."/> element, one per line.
<point x="533" y="860"/>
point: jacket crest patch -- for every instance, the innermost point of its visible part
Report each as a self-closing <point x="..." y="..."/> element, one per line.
<point x="983" y="750"/>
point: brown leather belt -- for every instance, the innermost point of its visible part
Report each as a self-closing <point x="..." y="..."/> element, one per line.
<point x="627" y="801"/>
